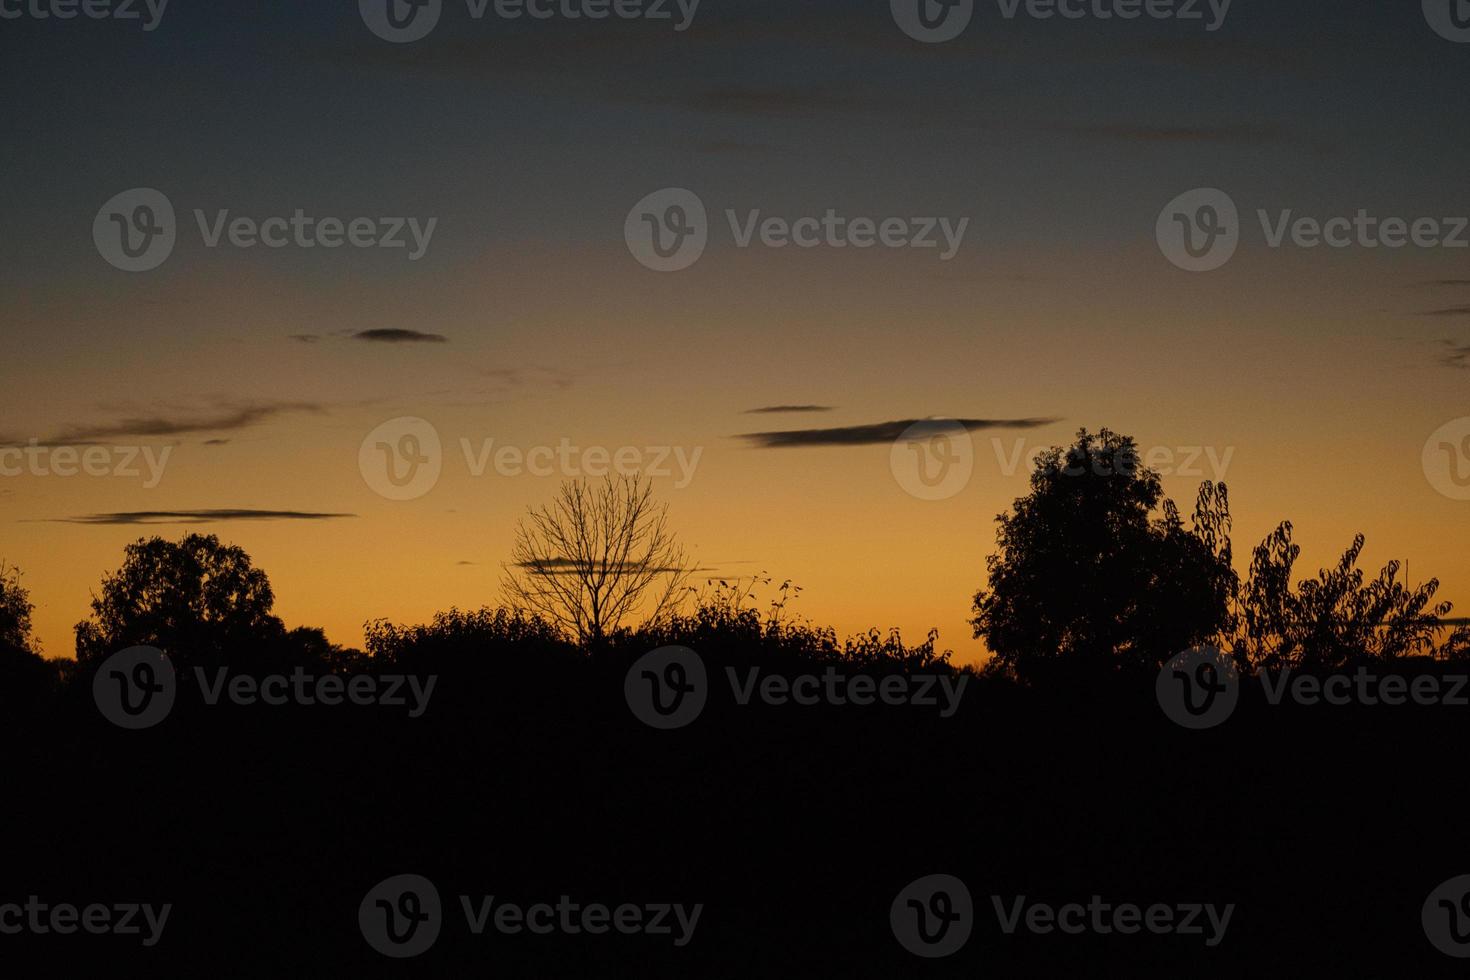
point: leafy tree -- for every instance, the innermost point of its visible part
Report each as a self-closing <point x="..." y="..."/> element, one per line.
<point x="1335" y="619"/>
<point x="1088" y="580"/>
<point x="15" y="610"/>
<point x="26" y="678"/>
<point x="195" y="598"/>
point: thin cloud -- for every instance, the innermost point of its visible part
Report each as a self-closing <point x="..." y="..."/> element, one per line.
<point x="399" y="336"/>
<point x="567" y="566"/>
<point x="196" y="516"/>
<point x="225" y="418"/>
<point x="1448" y="311"/>
<point x="305" y="338"/>
<point x="782" y="409"/>
<point x="1457" y="357"/>
<point x="879" y="433"/>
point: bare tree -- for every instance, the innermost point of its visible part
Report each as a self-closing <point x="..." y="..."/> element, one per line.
<point x="594" y="556"/>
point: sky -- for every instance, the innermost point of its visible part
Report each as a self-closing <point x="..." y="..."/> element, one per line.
<point x="1324" y="384"/>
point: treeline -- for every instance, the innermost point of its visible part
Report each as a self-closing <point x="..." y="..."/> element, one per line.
<point x="1095" y="575"/>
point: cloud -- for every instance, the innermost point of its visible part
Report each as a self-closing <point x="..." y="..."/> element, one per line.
<point x="305" y="338"/>
<point x="1448" y="311"/>
<point x="881" y="432"/>
<point x="399" y="336"/>
<point x="196" y="516"/>
<point x="224" y="418"/>
<point x="1443" y="282"/>
<point x="566" y="566"/>
<point x="1457" y="357"/>
<point x="781" y="409"/>
<point x="216" y="442"/>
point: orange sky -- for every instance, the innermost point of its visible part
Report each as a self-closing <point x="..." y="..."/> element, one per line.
<point x="1317" y="398"/>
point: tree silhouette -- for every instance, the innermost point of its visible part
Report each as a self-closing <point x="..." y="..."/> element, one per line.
<point x="195" y="598"/>
<point x="594" y="556"/>
<point x="1335" y="619"/>
<point x="15" y="610"/>
<point x="1088" y="581"/>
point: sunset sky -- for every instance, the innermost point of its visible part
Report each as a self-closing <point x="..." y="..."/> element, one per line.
<point x="1313" y="376"/>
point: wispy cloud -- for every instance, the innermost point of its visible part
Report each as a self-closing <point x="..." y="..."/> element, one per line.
<point x="225" y="417"/>
<point x="782" y="409"/>
<point x="878" y="433"/>
<point x="1448" y="311"/>
<point x="1458" y="356"/>
<point x="196" y="516"/>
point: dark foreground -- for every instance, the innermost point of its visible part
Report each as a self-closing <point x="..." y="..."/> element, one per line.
<point x="794" y="827"/>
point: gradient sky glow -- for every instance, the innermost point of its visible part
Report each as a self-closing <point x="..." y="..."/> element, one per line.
<point x="1321" y="372"/>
